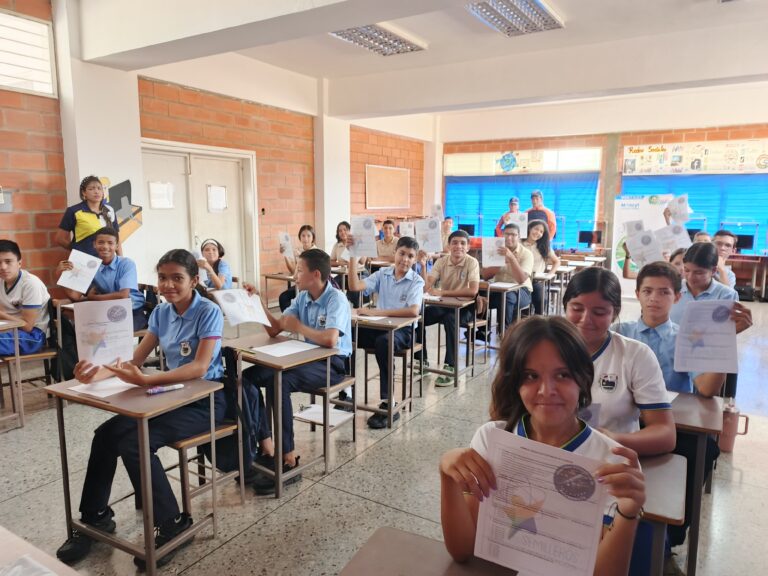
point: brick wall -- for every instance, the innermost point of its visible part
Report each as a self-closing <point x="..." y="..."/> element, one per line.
<point x="382" y="149"/>
<point x="32" y="166"/>
<point x="283" y="142"/>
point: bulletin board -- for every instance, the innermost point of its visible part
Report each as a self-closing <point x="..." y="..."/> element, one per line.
<point x="387" y="187"/>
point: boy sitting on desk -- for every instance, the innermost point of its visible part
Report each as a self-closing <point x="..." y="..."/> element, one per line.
<point x="115" y="279"/>
<point x="321" y="314"/>
<point x="456" y="275"/>
<point x="24" y="297"/>
<point x="400" y="291"/>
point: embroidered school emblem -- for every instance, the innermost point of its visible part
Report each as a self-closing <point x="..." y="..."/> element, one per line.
<point x="608" y="382"/>
<point x="185" y="349"/>
<point x="321" y="321"/>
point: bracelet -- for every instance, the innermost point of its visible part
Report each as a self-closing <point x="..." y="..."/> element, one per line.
<point x="614" y="509"/>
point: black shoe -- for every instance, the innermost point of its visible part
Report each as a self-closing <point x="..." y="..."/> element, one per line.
<point x="344" y="397"/>
<point x="78" y="544"/>
<point x="164" y="533"/>
<point x="379" y="421"/>
<point x="264" y="484"/>
<point x="480" y="334"/>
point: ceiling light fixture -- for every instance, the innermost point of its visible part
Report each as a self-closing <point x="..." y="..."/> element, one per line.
<point x="516" y="17"/>
<point x="377" y="38"/>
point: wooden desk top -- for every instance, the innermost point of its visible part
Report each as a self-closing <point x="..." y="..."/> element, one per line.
<point x="665" y="488"/>
<point x="12" y="548"/>
<point x="135" y="403"/>
<point x="10" y="324"/>
<point x="449" y="302"/>
<point x="565" y="269"/>
<point x="278" y="276"/>
<point x="694" y="413"/>
<point x="392" y="552"/>
<point x="382" y="263"/>
<point x="544" y="276"/>
<point x="245" y="344"/>
<point x="580" y="263"/>
<point x="494" y="286"/>
<point x="595" y="258"/>
<point x="389" y="323"/>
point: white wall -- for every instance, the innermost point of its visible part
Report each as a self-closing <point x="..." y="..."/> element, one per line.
<point x="417" y="126"/>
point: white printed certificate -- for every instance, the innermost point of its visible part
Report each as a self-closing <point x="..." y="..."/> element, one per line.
<point x="240" y="308"/>
<point x="519" y="218"/>
<point x="104" y="331"/>
<point x="545" y="518"/>
<point x="364" y="233"/>
<point x="84" y="268"/>
<point x="491" y="256"/>
<point x="428" y="235"/>
<point x="706" y="341"/>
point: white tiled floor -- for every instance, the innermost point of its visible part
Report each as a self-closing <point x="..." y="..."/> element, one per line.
<point x="388" y="478"/>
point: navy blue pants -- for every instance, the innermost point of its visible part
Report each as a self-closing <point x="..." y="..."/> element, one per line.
<point x="139" y="319"/>
<point x="305" y="378"/>
<point x="379" y="340"/>
<point x="119" y="436"/>
<point x="515" y="298"/>
<point x="447" y="318"/>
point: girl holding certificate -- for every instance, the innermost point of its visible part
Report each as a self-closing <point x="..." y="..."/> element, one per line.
<point x="307" y="239"/>
<point x="188" y="328"/>
<point x="219" y="273"/>
<point x="544" y="378"/>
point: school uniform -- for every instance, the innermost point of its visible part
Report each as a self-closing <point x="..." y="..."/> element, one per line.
<point x="118" y="275"/>
<point x="715" y="291"/>
<point x="730" y="274"/>
<point x="179" y="337"/>
<point x="539" y="267"/>
<point x="330" y="310"/>
<point x="393" y="294"/>
<point x="83" y="223"/>
<point x="286" y="296"/>
<point x="520" y="297"/>
<point x="386" y="249"/>
<point x="627" y="380"/>
<point x="450" y="276"/>
<point x="221" y="267"/>
<point x="27" y="292"/>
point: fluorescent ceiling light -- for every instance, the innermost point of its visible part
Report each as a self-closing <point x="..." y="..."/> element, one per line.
<point x="377" y="38"/>
<point x="516" y="17"/>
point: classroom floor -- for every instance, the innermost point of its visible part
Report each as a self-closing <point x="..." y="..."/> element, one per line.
<point x="389" y="478"/>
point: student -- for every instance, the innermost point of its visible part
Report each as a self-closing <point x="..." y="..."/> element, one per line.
<point x="219" y="273"/>
<point x="320" y="313"/>
<point x="81" y="221"/>
<point x="400" y="291"/>
<point x="628" y="381"/>
<point x="702" y="236"/>
<point x="24" y="297"/>
<point x="726" y="247"/>
<point x="676" y="259"/>
<point x="115" y="279"/>
<point x="386" y="247"/>
<point x="518" y="269"/>
<point x="699" y="266"/>
<point x="445" y="231"/>
<point x="188" y="328"/>
<point x="307" y="239"/>
<point x="544" y="378"/>
<point x="514" y="208"/>
<point x="339" y="252"/>
<point x="538" y="242"/>
<point x="456" y="275"/>
<point x="540" y="212"/>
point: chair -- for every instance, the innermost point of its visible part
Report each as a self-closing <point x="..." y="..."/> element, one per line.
<point x="327" y="393"/>
<point x="471" y="325"/>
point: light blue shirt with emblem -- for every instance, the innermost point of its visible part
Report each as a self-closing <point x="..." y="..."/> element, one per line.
<point x="393" y="293"/>
<point x="731" y="277"/>
<point x="330" y="310"/>
<point x="661" y="340"/>
<point x="715" y="291"/>
<point x="180" y="336"/>
<point x="119" y="275"/>
<point x="224" y="270"/>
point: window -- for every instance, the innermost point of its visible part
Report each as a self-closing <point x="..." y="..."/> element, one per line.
<point x="26" y="55"/>
<point x="481" y="200"/>
<point x="731" y="198"/>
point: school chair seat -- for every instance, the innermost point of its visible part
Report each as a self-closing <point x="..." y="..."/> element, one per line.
<point x="407" y="371"/>
<point x="327" y="393"/>
<point x="46" y="355"/>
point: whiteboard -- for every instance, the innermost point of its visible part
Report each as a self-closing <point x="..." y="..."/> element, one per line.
<point x="387" y="187"/>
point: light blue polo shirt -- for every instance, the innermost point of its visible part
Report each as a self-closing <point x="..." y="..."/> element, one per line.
<point x="331" y="310"/>
<point x="661" y="340"/>
<point x="715" y="291"/>
<point x="226" y="271"/>
<point x="180" y="335"/>
<point x="731" y="276"/>
<point x="119" y="275"/>
<point x="393" y="294"/>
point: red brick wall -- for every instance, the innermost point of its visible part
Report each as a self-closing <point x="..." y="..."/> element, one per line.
<point x="32" y="166"/>
<point x="382" y="149"/>
<point x="283" y="142"/>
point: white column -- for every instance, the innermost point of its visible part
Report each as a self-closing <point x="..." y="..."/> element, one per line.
<point x="433" y="169"/>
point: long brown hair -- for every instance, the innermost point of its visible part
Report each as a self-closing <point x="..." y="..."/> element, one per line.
<point x="506" y="403"/>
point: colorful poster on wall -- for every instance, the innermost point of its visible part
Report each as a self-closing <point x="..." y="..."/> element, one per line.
<point x="710" y="157"/>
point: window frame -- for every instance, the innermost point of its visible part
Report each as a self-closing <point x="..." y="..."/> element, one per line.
<point x="52" y="58"/>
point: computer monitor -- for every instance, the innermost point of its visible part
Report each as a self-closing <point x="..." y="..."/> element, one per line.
<point x="745" y="242"/>
<point x="468" y="228"/>
<point x="590" y="237"/>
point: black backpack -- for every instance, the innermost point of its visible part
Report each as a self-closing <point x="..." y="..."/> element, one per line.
<point x="247" y="419"/>
<point x="63" y="366"/>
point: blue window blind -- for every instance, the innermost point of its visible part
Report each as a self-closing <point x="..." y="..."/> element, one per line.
<point x="737" y="198"/>
<point x="571" y="196"/>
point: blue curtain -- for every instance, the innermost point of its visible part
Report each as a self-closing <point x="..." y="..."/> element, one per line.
<point x="571" y="196"/>
<point x="733" y="198"/>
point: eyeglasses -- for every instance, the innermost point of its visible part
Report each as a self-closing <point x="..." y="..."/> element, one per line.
<point x="723" y="245"/>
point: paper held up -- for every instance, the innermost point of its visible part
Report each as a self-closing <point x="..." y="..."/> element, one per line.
<point x="428" y="235"/>
<point x="364" y="235"/>
<point x="239" y="307"/>
<point x="104" y="331"/>
<point x="706" y="341"/>
<point x="491" y="255"/>
<point x="84" y="269"/>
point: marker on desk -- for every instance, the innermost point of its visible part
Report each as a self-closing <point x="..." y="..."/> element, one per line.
<point x="161" y="389"/>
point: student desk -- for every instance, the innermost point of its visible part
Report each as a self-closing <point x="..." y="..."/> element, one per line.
<point x="389" y="325"/>
<point x="596" y="259"/>
<point x="377" y="263"/>
<point x="341" y="272"/>
<point x="17" y="394"/>
<point x="664" y="500"/>
<point x="457" y="304"/>
<point x="701" y="417"/>
<point x="580" y="263"/>
<point x="280" y="276"/>
<point x="502" y="288"/>
<point x="563" y="274"/>
<point x="12" y="548"/>
<point x="136" y="404"/>
<point x="546" y="279"/>
<point x="245" y="353"/>
<point x="393" y="552"/>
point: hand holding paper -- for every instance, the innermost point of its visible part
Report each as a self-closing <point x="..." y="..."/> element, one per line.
<point x="491" y="255"/>
<point x="239" y="307"/>
<point x="104" y="330"/>
<point x="82" y="272"/>
<point x="706" y="341"/>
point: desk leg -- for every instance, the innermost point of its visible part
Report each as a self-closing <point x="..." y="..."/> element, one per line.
<point x="698" y="481"/>
<point x="456" y="348"/>
<point x="146" y="496"/>
<point x="278" y="432"/>
<point x="391" y="379"/>
<point x="16" y="390"/>
<point x="240" y="426"/>
<point x="327" y="414"/>
<point x="502" y="320"/>
<point x="64" y="464"/>
<point x="213" y="463"/>
<point x="657" y="548"/>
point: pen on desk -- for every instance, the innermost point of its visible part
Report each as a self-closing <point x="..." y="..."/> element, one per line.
<point x="161" y="389"/>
